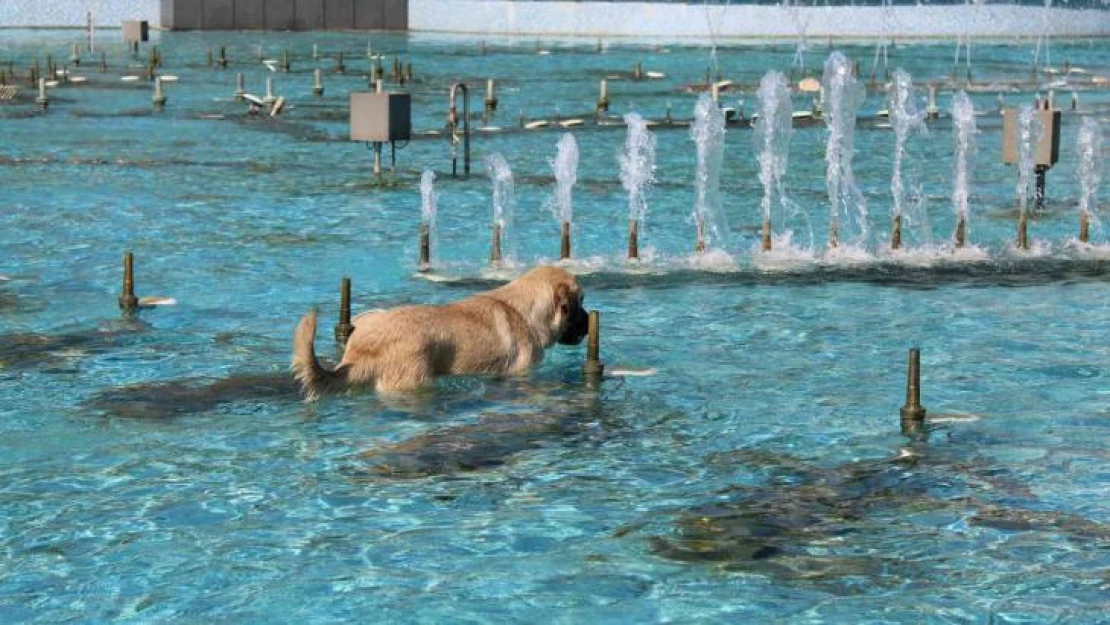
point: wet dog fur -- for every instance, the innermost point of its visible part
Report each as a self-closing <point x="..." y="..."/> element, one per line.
<point x="503" y="332"/>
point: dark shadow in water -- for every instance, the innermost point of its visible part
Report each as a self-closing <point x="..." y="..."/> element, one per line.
<point x="494" y="440"/>
<point x="27" y="350"/>
<point x="164" y="400"/>
<point x="1015" y="272"/>
<point x="843" y="511"/>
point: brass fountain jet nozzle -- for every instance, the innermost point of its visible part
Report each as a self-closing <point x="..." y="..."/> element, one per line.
<point x="593" y="369"/>
<point x="633" y="239"/>
<point x="128" y="303"/>
<point x="564" y="241"/>
<point x="913" y="410"/>
<point x="344" y="328"/>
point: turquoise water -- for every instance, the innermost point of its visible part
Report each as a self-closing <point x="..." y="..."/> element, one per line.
<point x="163" y="468"/>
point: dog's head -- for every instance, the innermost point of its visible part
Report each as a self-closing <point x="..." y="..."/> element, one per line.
<point x="565" y="319"/>
<point x="570" y="313"/>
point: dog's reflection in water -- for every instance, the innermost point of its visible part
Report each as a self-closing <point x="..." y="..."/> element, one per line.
<point x="28" y="350"/>
<point x="162" y="400"/>
<point x="496" y="438"/>
<point x="828" y="525"/>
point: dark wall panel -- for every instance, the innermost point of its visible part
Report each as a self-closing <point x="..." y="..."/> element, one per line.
<point x="186" y="15"/>
<point x="218" y="14"/>
<point x="310" y="15"/>
<point x="396" y="15"/>
<point x="339" y="14"/>
<point x="250" y="14"/>
<point x="284" y="14"/>
<point x="368" y="14"/>
<point x="280" y="14"/>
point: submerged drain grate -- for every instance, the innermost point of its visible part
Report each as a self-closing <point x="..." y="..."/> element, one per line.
<point x="7" y="92"/>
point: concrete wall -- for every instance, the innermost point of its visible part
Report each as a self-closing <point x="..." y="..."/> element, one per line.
<point x="691" y="21"/>
<point x="284" y="14"/>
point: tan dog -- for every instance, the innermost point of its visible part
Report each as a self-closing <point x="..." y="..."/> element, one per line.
<point x="503" y="331"/>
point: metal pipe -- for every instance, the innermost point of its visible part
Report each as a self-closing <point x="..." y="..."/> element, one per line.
<point x="453" y="123"/>
<point x="425" y="262"/>
<point x="1023" y="232"/>
<point x="766" y="242"/>
<point x="128" y="303"/>
<point x="913" y="410"/>
<point x="633" y="239"/>
<point x="318" y="82"/>
<point x="495" y="248"/>
<point x="896" y="233"/>
<point x="699" y="244"/>
<point x="593" y="368"/>
<point x="961" y="232"/>
<point x="344" y="328"/>
<point x="1084" y="227"/>
<point x="834" y="234"/>
<point x="564" y="242"/>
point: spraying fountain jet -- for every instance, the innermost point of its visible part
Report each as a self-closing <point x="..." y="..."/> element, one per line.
<point x="842" y="99"/>
<point x="708" y="133"/>
<point x="565" y="166"/>
<point x="503" y="204"/>
<point x="963" y="128"/>
<point x="1090" y="174"/>
<point x="772" y="143"/>
<point x="1030" y="130"/>
<point x="637" y="173"/>
<point x="906" y="119"/>
<point x="427" y="220"/>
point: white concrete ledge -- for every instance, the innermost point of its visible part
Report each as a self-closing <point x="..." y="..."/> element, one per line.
<point x="738" y="22"/>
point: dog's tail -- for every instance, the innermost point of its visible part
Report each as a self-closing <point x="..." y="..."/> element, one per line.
<point x="314" y="379"/>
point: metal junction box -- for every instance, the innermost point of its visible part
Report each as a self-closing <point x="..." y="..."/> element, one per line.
<point x="381" y="117"/>
<point x="1048" y="150"/>
<point x="136" y="30"/>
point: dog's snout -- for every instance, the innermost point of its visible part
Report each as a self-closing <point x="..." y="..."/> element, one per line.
<point x="577" y="327"/>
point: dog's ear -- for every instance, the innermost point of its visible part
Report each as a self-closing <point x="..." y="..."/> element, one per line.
<point x="562" y="298"/>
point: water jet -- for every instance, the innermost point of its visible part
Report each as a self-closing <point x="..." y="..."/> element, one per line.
<point x="565" y="166"/>
<point x="427" y="220"/>
<point x="637" y="162"/>
<point x="159" y="97"/>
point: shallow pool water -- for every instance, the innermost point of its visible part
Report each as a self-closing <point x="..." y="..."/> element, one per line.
<point x="163" y="467"/>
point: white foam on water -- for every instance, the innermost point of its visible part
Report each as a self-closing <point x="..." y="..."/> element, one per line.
<point x="156" y="300"/>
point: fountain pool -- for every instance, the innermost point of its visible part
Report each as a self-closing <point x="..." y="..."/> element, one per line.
<point x="162" y="467"/>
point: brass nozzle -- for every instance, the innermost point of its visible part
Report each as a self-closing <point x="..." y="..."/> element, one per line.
<point x="564" y="242"/>
<point x="127" y="301"/>
<point x="913" y="410"/>
<point x="633" y="240"/>
<point x="344" y="328"/>
<point x="593" y="368"/>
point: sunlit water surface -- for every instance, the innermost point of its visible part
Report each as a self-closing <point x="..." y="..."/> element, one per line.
<point x="163" y="467"/>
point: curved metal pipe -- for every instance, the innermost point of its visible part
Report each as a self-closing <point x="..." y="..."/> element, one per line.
<point x="453" y="121"/>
